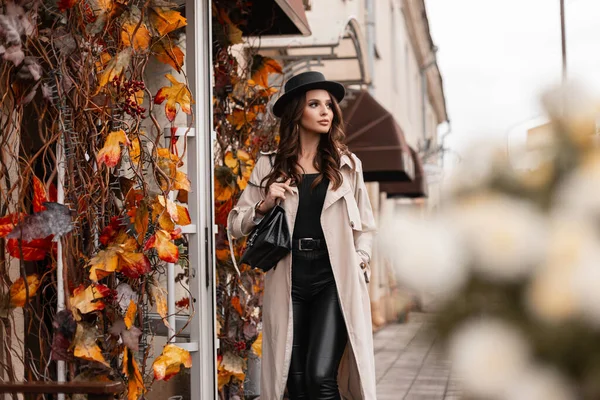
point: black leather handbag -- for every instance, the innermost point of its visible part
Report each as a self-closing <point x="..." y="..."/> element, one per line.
<point x="269" y="241"/>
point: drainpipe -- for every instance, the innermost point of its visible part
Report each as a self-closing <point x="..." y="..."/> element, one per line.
<point x="370" y="19"/>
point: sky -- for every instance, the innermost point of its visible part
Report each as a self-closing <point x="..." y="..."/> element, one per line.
<point x="497" y="56"/>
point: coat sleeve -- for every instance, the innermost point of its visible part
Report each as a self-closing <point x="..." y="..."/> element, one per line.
<point x="240" y="221"/>
<point x="363" y="239"/>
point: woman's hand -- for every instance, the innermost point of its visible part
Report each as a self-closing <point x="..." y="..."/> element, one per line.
<point x="276" y="193"/>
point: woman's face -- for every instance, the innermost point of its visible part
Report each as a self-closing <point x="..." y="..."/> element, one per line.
<point x="318" y="112"/>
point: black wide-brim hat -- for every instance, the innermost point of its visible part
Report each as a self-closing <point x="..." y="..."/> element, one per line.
<point x="304" y="82"/>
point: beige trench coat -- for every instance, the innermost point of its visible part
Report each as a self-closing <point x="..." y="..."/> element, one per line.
<point x="348" y="225"/>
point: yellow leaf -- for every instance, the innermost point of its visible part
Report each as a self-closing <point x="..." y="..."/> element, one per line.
<point x="171" y="207"/>
<point x="87" y="299"/>
<point x="183" y="216"/>
<point x="135" y="383"/>
<point x="242" y="183"/>
<point x="234" y="365"/>
<point x="159" y="296"/>
<point x="17" y="290"/>
<point x="169" y="362"/>
<point x="177" y="93"/>
<point x="85" y="345"/>
<point x="232" y="162"/>
<point x="110" y="154"/>
<point x="135" y="151"/>
<point x="257" y="345"/>
<point x="104" y="263"/>
<point x="130" y="314"/>
<point x="182" y="182"/>
<point x="244" y="156"/>
<point x="141" y="40"/>
<point x="115" y="67"/>
<point x="165" y="20"/>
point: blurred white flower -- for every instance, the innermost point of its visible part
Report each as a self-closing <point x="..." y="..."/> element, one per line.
<point x="538" y="383"/>
<point x="567" y="283"/>
<point x="488" y="355"/>
<point x="505" y="237"/>
<point x="579" y="196"/>
<point x="424" y="252"/>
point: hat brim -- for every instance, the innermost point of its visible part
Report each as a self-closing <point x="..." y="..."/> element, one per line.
<point x="335" y="88"/>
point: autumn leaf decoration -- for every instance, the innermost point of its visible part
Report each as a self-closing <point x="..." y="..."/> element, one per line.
<point x="177" y="93"/>
<point x="262" y="67"/>
<point x="170" y="361"/>
<point x="18" y="291"/>
<point x="110" y="154"/>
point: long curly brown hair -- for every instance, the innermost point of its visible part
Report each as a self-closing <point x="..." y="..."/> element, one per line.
<point x="329" y="153"/>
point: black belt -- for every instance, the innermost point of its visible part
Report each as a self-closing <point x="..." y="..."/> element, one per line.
<point x="308" y="244"/>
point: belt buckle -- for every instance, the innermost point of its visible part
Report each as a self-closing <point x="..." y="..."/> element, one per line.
<point x="302" y="248"/>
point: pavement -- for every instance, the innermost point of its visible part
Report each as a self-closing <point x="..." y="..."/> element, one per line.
<point x="408" y="364"/>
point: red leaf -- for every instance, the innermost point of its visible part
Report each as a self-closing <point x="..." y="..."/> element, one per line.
<point x="34" y="250"/>
<point x="8" y="222"/>
<point x="110" y="232"/>
<point x="52" y="193"/>
<point x="39" y="195"/>
<point x="66" y="4"/>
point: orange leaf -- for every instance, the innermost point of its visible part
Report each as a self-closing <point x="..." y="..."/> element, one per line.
<point x="159" y="296"/>
<point x="39" y="195"/>
<point x="183" y="216"/>
<point x="17" y="290"/>
<point x="85" y="345"/>
<point x="167" y="250"/>
<point x="165" y="20"/>
<point x="130" y="314"/>
<point x="168" y="53"/>
<point x="177" y="93"/>
<point x="181" y="182"/>
<point x="141" y="222"/>
<point x="8" y="222"/>
<point x="223" y="254"/>
<point x="87" y="299"/>
<point x="104" y="263"/>
<point x="171" y="207"/>
<point x="135" y="383"/>
<point x="235" y="302"/>
<point x="222" y="193"/>
<point x="169" y="362"/>
<point x="239" y="118"/>
<point x="262" y="67"/>
<point x="141" y="40"/>
<point x="257" y="345"/>
<point x="115" y="67"/>
<point x="110" y="154"/>
<point x="33" y="250"/>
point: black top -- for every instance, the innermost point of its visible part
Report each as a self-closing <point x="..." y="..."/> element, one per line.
<point x="308" y="218"/>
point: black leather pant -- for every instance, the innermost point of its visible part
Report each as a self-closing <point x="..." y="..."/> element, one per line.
<point x="320" y="334"/>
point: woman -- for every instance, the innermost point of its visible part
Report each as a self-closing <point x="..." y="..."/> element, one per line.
<point x="316" y="308"/>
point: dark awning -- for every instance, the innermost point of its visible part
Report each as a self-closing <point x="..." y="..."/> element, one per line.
<point x="276" y="17"/>
<point x="375" y="137"/>
<point x="412" y="189"/>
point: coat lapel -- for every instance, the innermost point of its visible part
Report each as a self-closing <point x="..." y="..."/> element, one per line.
<point x="334" y="195"/>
